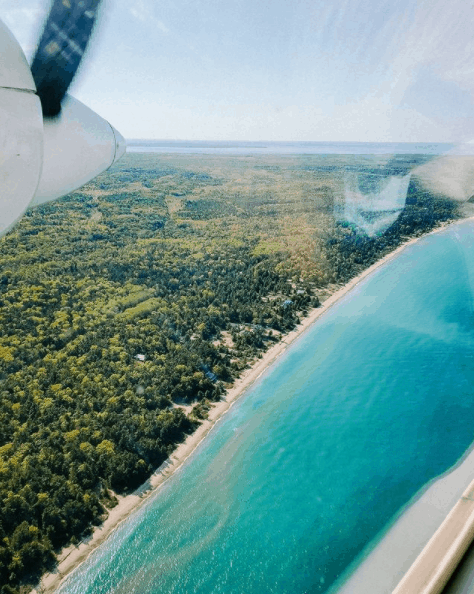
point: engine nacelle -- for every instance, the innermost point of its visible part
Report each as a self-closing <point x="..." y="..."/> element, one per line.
<point x="41" y="161"/>
<point x="77" y="146"/>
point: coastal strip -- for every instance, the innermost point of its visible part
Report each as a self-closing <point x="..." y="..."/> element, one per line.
<point x="71" y="557"/>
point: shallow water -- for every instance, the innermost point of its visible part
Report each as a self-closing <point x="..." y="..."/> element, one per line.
<point x="306" y="469"/>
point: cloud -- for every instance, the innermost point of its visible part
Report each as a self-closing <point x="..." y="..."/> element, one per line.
<point x="143" y="12"/>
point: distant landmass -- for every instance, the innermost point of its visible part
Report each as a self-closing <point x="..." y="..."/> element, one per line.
<point x="295" y="148"/>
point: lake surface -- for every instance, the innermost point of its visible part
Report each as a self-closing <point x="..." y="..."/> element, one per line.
<point x="290" y="148"/>
<point x="312" y="463"/>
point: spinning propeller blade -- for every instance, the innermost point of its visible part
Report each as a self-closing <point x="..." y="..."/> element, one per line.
<point x="64" y="40"/>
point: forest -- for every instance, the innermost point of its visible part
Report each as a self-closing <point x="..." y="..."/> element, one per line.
<point x="144" y="292"/>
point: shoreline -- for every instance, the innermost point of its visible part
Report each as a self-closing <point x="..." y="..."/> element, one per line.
<point x="71" y="557"/>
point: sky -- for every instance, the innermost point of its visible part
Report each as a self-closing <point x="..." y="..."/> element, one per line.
<point x="319" y="70"/>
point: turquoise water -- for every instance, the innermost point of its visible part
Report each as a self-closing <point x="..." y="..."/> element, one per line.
<point x="305" y="470"/>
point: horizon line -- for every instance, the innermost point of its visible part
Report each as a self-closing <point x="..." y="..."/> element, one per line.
<point x="296" y="141"/>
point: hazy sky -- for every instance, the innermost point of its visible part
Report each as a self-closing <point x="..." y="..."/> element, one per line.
<point x="349" y="70"/>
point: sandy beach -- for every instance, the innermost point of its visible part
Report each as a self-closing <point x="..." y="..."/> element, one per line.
<point x="71" y="557"/>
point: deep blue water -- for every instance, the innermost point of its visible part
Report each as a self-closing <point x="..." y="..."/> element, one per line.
<point x="272" y="148"/>
<point x="375" y="400"/>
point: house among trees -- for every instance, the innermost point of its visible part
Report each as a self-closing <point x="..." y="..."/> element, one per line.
<point x="140" y="357"/>
<point x="208" y="373"/>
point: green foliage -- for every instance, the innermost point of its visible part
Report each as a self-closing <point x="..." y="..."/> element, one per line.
<point x="188" y="263"/>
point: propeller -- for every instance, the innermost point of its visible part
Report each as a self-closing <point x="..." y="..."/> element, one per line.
<point x="50" y="143"/>
<point x="60" y="50"/>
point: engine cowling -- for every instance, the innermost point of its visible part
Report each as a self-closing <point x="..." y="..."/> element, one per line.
<point x="41" y="160"/>
<point x="77" y="146"/>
